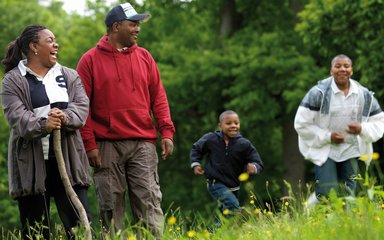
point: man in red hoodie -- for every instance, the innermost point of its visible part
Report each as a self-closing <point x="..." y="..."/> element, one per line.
<point x="123" y="84"/>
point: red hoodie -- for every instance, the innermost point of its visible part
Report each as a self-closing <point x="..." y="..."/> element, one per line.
<point x="125" y="90"/>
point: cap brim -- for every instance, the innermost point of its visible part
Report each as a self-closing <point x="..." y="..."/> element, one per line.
<point x="140" y="17"/>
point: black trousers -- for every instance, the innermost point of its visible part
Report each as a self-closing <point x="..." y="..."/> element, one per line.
<point x="34" y="209"/>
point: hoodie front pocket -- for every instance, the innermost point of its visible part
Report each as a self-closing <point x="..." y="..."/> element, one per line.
<point x="131" y="120"/>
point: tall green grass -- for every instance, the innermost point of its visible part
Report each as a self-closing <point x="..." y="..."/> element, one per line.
<point x="337" y="217"/>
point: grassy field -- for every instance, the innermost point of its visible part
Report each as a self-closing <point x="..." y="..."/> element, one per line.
<point x="337" y="218"/>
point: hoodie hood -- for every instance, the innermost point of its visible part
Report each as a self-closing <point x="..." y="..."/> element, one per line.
<point x="105" y="46"/>
<point x="221" y="134"/>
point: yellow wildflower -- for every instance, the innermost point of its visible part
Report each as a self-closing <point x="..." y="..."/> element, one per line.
<point x="191" y="234"/>
<point x="171" y="220"/>
<point x="270" y="213"/>
<point x="257" y="211"/>
<point x="364" y="157"/>
<point x="252" y="202"/>
<point x="243" y="177"/>
<point x="206" y="234"/>
<point x="286" y="203"/>
<point x="226" y="212"/>
<point x="375" y="156"/>
<point x="131" y="238"/>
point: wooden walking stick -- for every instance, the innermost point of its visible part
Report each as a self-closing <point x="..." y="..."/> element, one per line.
<point x="67" y="184"/>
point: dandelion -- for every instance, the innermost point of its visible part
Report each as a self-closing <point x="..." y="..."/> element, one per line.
<point x="257" y="211"/>
<point x="191" y="234"/>
<point x="286" y="203"/>
<point x="171" y="220"/>
<point x="270" y="213"/>
<point x="252" y="202"/>
<point x="206" y="234"/>
<point x="243" y="177"/>
<point x="226" y="212"/>
<point x="131" y="238"/>
<point x="375" y="156"/>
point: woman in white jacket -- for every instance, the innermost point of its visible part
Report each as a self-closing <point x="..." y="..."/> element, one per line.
<point x="337" y="121"/>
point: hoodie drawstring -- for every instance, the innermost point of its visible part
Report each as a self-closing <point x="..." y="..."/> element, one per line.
<point x="117" y="69"/>
<point x="132" y="75"/>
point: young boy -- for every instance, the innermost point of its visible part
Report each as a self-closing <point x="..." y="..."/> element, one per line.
<point x="228" y="153"/>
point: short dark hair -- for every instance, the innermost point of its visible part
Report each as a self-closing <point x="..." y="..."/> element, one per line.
<point x="342" y="56"/>
<point x="226" y="113"/>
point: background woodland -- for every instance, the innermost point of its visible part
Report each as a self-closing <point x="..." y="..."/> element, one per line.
<point x="258" y="58"/>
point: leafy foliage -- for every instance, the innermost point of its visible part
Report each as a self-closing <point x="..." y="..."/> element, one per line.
<point x="354" y="28"/>
<point x="262" y="69"/>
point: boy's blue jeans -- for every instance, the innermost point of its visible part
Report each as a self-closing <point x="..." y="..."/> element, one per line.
<point x="330" y="173"/>
<point x="226" y="198"/>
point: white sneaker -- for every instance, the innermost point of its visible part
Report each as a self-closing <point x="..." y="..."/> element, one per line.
<point x="311" y="202"/>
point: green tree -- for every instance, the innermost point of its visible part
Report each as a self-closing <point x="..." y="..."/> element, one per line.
<point x="227" y="56"/>
<point x="355" y="28"/>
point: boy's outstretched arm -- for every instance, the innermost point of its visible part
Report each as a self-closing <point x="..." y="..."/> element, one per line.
<point x="196" y="155"/>
<point x="251" y="168"/>
<point x="198" y="170"/>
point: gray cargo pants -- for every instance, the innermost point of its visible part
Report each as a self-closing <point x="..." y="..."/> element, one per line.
<point x="132" y="164"/>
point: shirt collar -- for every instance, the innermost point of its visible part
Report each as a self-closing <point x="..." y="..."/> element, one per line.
<point x="24" y="69"/>
<point x="352" y="87"/>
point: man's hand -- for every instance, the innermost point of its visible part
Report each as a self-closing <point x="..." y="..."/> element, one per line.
<point x="94" y="158"/>
<point x="166" y="147"/>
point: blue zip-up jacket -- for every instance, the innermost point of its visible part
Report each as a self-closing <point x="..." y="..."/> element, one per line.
<point x="225" y="162"/>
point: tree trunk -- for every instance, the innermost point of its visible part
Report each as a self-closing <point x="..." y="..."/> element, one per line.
<point x="293" y="161"/>
<point x="228" y="18"/>
<point x="67" y="185"/>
